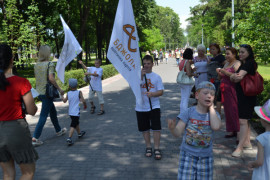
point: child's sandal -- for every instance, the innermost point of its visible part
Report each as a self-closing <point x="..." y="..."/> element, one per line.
<point x="93" y="109"/>
<point x="148" y="152"/>
<point x="101" y="112"/>
<point x="157" y="154"/>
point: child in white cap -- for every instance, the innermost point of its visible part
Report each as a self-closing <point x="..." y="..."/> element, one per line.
<point x="261" y="167"/>
<point x="74" y="97"/>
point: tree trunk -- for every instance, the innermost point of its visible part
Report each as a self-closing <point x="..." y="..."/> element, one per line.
<point x="56" y="43"/>
<point x="84" y="14"/>
<point x="3" y="9"/>
<point x="86" y="47"/>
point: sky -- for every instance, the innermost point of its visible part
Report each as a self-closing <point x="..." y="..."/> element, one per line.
<point x="181" y="7"/>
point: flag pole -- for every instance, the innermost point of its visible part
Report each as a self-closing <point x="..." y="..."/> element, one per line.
<point x="88" y="79"/>
<point x="145" y="80"/>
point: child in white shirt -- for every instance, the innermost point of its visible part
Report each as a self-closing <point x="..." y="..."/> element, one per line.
<point x="74" y="97"/>
<point x="95" y="85"/>
<point x="261" y="167"/>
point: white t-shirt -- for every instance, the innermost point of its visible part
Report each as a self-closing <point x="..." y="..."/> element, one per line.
<point x="154" y="83"/>
<point x="74" y="103"/>
<point x="95" y="81"/>
<point x="263" y="172"/>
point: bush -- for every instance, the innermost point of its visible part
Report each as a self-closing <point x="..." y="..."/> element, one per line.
<point x="265" y="95"/>
<point x="108" y="71"/>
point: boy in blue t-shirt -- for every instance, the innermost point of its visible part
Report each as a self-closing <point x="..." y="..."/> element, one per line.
<point x="197" y="123"/>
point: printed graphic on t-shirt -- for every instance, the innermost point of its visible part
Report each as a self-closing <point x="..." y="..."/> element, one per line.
<point x="198" y="133"/>
<point x="150" y="85"/>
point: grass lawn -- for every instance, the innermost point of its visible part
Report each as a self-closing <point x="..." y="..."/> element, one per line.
<point x="264" y="70"/>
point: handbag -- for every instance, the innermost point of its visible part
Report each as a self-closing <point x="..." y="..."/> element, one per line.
<point x="183" y="78"/>
<point x="252" y="85"/>
<point x="51" y="90"/>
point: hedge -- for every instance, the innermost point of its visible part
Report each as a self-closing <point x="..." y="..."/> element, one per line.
<point x="108" y="71"/>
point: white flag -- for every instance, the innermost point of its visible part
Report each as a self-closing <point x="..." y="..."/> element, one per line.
<point x="123" y="50"/>
<point x="70" y="50"/>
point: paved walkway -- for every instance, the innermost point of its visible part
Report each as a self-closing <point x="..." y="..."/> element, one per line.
<point x="114" y="149"/>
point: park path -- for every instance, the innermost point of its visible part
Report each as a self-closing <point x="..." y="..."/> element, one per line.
<point x="114" y="149"/>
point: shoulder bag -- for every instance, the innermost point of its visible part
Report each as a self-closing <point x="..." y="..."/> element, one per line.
<point x="183" y="78"/>
<point x="51" y="90"/>
<point x="252" y="85"/>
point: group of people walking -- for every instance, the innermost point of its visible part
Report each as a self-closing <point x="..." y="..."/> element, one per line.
<point x="17" y="144"/>
<point x="217" y="81"/>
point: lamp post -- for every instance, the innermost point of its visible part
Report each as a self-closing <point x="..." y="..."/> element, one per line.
<point x="202" y="33"/>
<point x="232" y="23"/>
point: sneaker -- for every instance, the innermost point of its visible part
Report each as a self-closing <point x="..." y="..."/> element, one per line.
<point x="61" y="132"/>
<point x="69" y="141"/>
<point x="36" y="142"/>
<point x="81" y="134"/>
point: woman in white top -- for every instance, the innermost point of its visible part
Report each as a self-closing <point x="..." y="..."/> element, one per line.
<point x="200" y="63"/>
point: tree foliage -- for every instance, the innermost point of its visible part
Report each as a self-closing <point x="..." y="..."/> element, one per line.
<point x="26" y="24"/>
<point x="251" y="24"/>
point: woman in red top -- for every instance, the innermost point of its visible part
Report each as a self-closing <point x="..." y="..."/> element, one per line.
<point x="15" y="138"/>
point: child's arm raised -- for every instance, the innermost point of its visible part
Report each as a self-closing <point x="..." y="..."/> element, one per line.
<point x="83" y="100"/>
<point x="178" y="129"/>
<point x="80" y="62"/>
<point x="260" y="158"/>
<point x="215" y="121"/>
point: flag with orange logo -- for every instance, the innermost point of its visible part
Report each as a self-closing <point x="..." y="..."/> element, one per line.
<point x="123" y="50"/>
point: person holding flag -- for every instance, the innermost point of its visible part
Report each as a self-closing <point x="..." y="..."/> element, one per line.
<point x="148" y="114"/>
<point x="95" y="85"/>
<point x="124" y="54"/>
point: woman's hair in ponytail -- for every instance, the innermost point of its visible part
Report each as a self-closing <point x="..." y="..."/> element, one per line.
<point x="5" y="58"/>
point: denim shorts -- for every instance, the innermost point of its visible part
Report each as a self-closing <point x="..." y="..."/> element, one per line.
<point x="16" y="142"/>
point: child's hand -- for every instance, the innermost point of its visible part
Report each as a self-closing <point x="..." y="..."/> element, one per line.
<point x="143" y="72"/>
<point x="149" y="94"/>
<point x="171" y="123"/>
<point x="80" y="62"/>
<point x="250" y="166"/>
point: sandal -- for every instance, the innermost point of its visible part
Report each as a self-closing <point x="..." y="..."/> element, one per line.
<point x="148" y="152"/>
<point x="93" y="109"/>
<point x="101" y="112"/>
<point x="157" y="154"/>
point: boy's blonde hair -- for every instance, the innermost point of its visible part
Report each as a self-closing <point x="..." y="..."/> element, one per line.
<point x="205" y="85"/>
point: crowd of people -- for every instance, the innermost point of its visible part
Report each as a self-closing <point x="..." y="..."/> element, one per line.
<point x="217" y="82"/>
<point x="220" y="77"/>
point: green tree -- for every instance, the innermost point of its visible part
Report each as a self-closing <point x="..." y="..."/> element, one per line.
<point x="255" y="29"/>
<point x="153" y="39"/>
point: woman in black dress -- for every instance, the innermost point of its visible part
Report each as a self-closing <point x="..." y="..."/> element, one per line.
<point x="245" y="103"/>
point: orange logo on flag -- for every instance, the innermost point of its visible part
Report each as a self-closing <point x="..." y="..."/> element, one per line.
<point x="130" y="36"/>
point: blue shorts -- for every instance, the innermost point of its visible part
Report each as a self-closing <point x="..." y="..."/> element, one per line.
<point x="192" y="167"/>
